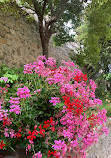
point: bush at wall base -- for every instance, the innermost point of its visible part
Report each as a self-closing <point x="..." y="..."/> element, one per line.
<point x="50" y="112"/>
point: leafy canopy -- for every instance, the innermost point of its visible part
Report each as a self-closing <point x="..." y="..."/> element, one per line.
<point x="95" y="30"/>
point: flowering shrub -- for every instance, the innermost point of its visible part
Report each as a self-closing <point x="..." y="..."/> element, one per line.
<point x="54" y="113"/>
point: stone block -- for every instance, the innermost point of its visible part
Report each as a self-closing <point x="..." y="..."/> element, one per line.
<point x="3" y="40"/>
<point x="1" y="55"/>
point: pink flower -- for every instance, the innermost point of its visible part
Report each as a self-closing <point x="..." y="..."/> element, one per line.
<point x="6" y="132"/>
<point x="12" y="133"/>
<point x="23" y="92"/>
<point x="37" y="155"/>
<point x="59" y="145"/>
<point x="54" y="100"/>
<point x="4" y="79"/>
<point x="105" y="130"/>
<point x="51" y="62"/>
<point x="38" y="90"/>
<point x="74" y="143"/>
<point x="14" y="107"/>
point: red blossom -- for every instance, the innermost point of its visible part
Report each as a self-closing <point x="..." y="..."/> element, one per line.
<point x="52" y="128"/>
<point x="76" y="105"/>
<point x="46" y="126"/>
<point x="41" y="131"/>
<point x="77" y="78"/>
<point x="84" y="77"/>
<point x="31" y="136"/>
<point x="2" y="145"/>
<point x="6" y="121"/>
<point x="35" y="127"/>
<point x="18" y="135"/>
<point x="80" y="77"/>
<point x="48" y="123"/>
<point x="51" y="153"/>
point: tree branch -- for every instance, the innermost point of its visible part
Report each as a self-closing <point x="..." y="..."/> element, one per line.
<point x="52" y="20"/>
<point x="27" y="8"/>
<point x="37" y="9"/>
<point x="44" y="6"/>
<point x="57" y="15"/>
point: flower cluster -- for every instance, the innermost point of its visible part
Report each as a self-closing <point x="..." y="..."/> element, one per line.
<point x="14" y="105"/>
<point x="54" y="100"/>
<point x="3" y="90"/>
<point x="2" y="145"/>
<point x="4" y="79"/>
<point x="37" y="155"/>
<point x="23" y="92"/>
<point x="74" y="126"/>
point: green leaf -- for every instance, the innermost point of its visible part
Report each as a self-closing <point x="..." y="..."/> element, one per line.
<point x="59" y="105"/>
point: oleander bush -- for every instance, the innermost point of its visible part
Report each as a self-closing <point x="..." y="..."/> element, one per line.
<point x="49" y="111"/>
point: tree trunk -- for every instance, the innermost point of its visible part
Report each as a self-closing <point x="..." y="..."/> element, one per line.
<point x="44" y="38"/>
<point x="45" y="47"/>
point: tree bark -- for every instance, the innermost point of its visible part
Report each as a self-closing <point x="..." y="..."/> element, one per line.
<point x="45" y="48"/>
<point x="44" y="36"/>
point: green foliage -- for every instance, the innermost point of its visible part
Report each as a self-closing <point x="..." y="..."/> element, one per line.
<point x="72" y="14"/>
<point x="108" y="77"/>
<point x="11" y="73"/>
<point x="107" y="105"/>
<point x="94" y="30"/>
<point x="36" y="109"/>
<point x="94" y="35"/>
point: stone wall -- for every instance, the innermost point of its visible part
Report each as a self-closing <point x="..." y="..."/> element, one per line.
<point x="20" y="42"/>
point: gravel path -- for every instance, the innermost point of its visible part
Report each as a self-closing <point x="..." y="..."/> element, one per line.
<point x="102" y="149"/>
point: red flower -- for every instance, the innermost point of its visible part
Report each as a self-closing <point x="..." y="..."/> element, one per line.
<point x="2" y="145"/>
<point x="51" y="120"/>
<point x="36" y="132"/>
<point x="46" y="126"/>
<point x="81" y="77"/>
<point x="75" y="105"/>
<point x="68" y="104"/>
<point x="51" y="153"/>
<point x="52" y="128"/>
<point x="84" y="77"/>
<point x="18" y="135"/>
<point x="41" y="131"/>
<point x="48" y="123"/>
<point x="31" y="136"/>
<point x="35" y="127"/>
<point x="40" y="127"/>
<point x="77" y="78"/>
<point x="6" y="121"/>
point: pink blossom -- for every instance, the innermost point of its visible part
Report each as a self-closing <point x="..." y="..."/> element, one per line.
<point x="4" y="79"/>
<point x="38" y="90"/>
<point x="54" y="100"/>
<point x="14" y="107"/>
<point x="6" y="132"/>
<point x="51" y="62"/>
<point x="12" y="133"/>
<point x="23" y="92"/>
<point x="37" y="155"/>
<point x="105" y="130"/>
